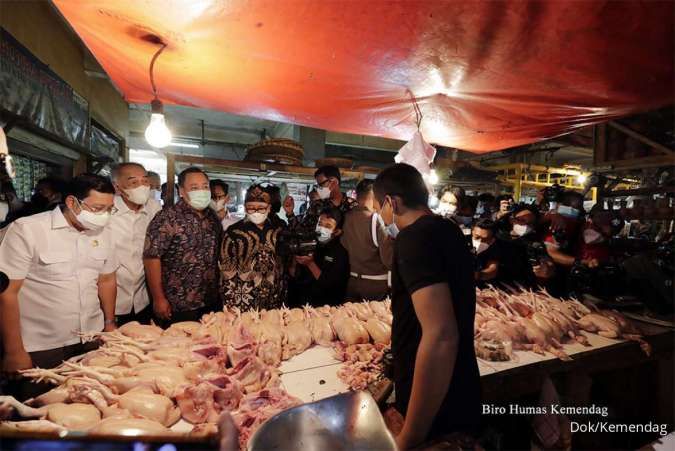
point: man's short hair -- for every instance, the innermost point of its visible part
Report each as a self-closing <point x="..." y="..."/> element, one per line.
<point x="502" y="197"/>
<point x="456" y="191"/>
<point x="222" y="184"/>
<point x="364" y="188"/>
<point x="55" y="184"/>
<point x="404" y="181"/>
<point x="525" y="207"/>
<point x="153" y="174"/>
<point x="572" y="199"/>
<point x="81" y="185"/>
<point x="120" y="167"/>
<point x="486" y="197"/>
<point x="333" y="213"/>
<point x="486" y="224"/>
<point x="328" y="172"/>
<point x="191" y="170"/>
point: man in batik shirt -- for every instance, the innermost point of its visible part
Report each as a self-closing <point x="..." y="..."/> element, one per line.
<point x="330" y="196"/>
<point x="252" y="273"/>
<point x="181" y="253"/>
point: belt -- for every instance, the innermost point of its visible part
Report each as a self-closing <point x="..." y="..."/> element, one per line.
<point x="366" y="277"/>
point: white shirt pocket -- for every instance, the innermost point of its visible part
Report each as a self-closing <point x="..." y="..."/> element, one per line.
<point x="55" y="265"/>
<point x="96" y="259"/>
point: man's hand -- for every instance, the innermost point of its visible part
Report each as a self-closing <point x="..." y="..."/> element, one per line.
<point x="289" y="205"/>
<point x="228" y="435"/>
<point x="109" y="327"/>
<point x="544" y="270"/>
<point x="15" y="361"/>
<point x="591" y="263"/>
<point x="162" y="308"/>
<point x="304" y="260"/>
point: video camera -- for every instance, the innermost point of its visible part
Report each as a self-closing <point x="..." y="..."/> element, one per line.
<point x="293" y="243"/>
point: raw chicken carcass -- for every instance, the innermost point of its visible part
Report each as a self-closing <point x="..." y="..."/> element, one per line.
<point x="241" y="344"/>
<point x="379" y="331"/>
<point x="349" y="330"/>
<point x="74" y="416"/>
<point x="320" y="328"/>
<point x="252" y="374"/>
<point x="297" y="338"/>
<point x="139" y="331"/>
<point x="197" y="405"/>
<point x="130" y="427"/>
<point x="183" y="329"/>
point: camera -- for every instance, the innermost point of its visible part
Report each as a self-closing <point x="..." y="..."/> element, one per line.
<point x="292" y="243"/>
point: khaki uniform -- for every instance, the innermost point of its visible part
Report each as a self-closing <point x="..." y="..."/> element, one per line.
<point x="369" y="262"/>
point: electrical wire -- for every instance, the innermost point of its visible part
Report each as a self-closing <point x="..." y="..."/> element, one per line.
<point x="418" y="112"/>
<point x="152" y="68"/>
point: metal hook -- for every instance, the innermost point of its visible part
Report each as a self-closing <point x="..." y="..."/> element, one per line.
<point x="416" y="107"/>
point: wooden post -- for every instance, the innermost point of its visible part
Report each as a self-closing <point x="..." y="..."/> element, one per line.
<point x="170" y="178"/>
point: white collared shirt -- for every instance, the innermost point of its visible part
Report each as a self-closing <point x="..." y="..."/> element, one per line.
<point x="128" y="227"/>
<point x="59" y="267"/>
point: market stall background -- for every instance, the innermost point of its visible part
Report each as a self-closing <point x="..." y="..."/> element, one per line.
<point x="486" y="75"/>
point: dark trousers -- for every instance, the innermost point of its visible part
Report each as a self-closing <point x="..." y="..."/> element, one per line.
<point x="143" y="317"/>
<point x="24" y="389"/>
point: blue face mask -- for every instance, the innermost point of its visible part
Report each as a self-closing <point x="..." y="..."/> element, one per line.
<point x="391" y="229"/>
<point x="568" y="212"/>
<point x="464" y="220"/>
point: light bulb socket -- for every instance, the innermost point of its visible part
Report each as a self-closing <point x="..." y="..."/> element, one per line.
<point x="157" y="106"/>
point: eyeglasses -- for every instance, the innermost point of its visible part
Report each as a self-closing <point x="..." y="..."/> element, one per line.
<point x="256" y="210"/>
<point x="220" y="197"/>
<point x="112" y="209"/>
<point x="321" y="184"/>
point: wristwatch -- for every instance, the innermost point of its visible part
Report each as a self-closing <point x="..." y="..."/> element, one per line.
<point x="109" y="321"/>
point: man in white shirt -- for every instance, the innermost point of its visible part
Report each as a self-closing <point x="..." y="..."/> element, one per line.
<point x="61" y="265"/>
<point x="219" y="199"/>
<point x="128" y="225"/>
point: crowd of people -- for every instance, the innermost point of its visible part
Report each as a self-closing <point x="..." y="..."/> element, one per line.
<point x="98" y="252"/>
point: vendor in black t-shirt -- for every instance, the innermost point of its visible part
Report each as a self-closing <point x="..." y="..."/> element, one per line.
<point x="321" y="278"/>
<point x="486" y="250"/>
<point x="436" y="377"/>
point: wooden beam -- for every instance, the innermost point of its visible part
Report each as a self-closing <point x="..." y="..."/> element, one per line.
<point x="261" y="166"/>
<point x="653" y="161"/>
<point x="599" y="144"/>
<point x="170" y="178"/>
<point x="642" y="138"/>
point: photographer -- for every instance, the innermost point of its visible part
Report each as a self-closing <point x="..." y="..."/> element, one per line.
<point x="504" y="206"/>
<point x="528" y="262"/>
<point x="454" y="204"/>
<point x="321" y="277"/>
<point x="486" y="250"/>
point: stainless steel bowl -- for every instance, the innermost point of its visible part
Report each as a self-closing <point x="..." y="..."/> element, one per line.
<point x="343" y="422"/>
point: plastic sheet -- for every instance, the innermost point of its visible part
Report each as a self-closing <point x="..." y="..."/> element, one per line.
<point x="487" y="75"/>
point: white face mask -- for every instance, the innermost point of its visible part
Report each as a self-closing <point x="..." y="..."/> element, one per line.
<point x="446" y="209"/>
<point x="479" y="246"/>
<point x="138" y="195"/>
<point x="155" y="194"/>
<point x="325" y="234"/>
<point x="217" y="205"/>
<point x="323" y="192"/>
<point x="592" y="236"/>
<point x="200" y="199"/>
<point x="94" y="222"/>
<point x="4" y="209"/>
<point x="568" y="211"/>
<point x="256" y="218"/>
<point x="521" y="230"/>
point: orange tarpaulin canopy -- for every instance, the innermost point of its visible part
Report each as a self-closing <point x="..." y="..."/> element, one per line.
<point x="487" y="75"/>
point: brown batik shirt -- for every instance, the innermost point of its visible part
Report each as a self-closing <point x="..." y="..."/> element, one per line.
<point x="251" y="272"/>
<point x="188" y="246"/>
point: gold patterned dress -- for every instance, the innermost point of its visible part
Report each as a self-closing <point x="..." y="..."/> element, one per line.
<point x="251" y="272"/>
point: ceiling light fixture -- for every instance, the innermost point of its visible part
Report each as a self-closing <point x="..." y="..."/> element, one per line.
<point x="581" y="178"/>
<point x="188" y="145"/>
<point x="157" y="134"/>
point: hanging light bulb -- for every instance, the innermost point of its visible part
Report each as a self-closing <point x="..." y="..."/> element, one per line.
<point x="157" y="134"/>
<point x="581" y="178"/>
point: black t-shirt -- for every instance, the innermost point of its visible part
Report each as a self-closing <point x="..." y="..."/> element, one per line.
<point x="433" y="250"/>
<point x="330" y="288"/>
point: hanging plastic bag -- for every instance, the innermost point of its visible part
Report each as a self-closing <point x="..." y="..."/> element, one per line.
<point x="419" y="154"/>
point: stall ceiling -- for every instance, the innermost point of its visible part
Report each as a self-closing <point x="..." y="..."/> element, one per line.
<point x="487" y="75"/>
